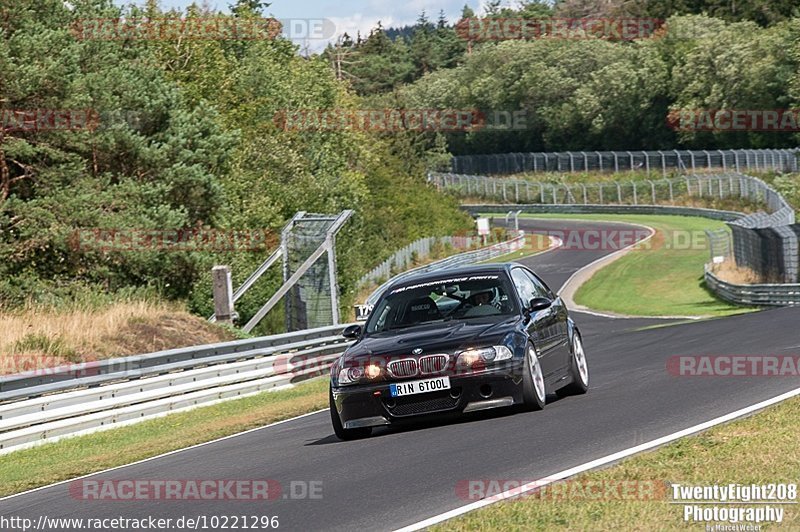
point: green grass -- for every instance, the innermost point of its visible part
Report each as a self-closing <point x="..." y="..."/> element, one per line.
<point x="663" y="278"/>
<point x="760" y="449"/>
<point x="73" y="457"/>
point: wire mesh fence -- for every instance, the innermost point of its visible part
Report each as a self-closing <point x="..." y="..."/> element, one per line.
<point x="634" y="192"/>
<point x="655" y="162"/>
<point x="421" y="249"/>
<point x="765" y="242"/>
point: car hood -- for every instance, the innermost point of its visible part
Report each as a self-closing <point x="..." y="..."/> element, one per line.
<point x="441" y="337"/>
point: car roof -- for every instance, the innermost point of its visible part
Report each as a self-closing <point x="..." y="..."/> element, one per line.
<point x="453" y="272"/>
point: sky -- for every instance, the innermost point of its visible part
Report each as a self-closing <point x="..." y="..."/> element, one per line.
<point x="341" y="16"/>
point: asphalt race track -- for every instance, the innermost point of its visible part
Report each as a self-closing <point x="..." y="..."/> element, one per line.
<point x="402" y="476"/>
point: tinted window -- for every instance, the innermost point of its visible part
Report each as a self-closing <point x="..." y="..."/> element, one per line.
<point x="448" y="298"/>
<point x="528" y="286"/>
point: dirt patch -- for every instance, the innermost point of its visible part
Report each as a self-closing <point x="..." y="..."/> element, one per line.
<point x="729" y="272"/>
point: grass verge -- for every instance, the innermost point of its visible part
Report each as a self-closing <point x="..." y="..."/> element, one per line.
<point x="760" y="449"/>
<point x="662" y="278"/>
<point x="73" y="457"/>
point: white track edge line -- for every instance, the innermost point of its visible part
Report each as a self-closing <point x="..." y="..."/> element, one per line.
<point x="598" y="462"/>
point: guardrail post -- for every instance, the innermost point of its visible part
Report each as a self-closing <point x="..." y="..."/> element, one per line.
<point x="223" y="294"/>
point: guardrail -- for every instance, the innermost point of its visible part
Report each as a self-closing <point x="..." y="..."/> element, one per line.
<point x="753" y="294"/>
<point x="158" y="383"/>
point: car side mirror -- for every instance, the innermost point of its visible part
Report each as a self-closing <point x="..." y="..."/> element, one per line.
<point x="352" y="332"/>
<point x="539" y="303"/>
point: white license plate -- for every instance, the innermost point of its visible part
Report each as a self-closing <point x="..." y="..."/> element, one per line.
<point x="422" y="386"/>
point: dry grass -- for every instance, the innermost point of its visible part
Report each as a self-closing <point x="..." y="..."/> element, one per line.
<point x="38" y="337"/>
<point x="728" y="271"/>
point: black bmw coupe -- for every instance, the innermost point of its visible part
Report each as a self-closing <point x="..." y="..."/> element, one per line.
<point x="456" y="341"/>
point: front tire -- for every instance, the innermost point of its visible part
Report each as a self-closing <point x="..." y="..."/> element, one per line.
<point x="534" y="393"/>
<point x="578" y="370"/>
<point x="341" y="432"/>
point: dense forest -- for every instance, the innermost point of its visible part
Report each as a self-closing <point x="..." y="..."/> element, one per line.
<point x="184" y="133"/>
<point x="588" y="93"/>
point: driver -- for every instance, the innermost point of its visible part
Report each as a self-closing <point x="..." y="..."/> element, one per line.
<point x="484" y="297"/>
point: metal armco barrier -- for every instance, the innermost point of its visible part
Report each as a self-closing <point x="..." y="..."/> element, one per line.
<point x="754" y="294"/>
<point x="145" y="386"/>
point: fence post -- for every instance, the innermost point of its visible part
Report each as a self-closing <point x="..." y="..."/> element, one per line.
<point x="583" y="187"/>
<point x="635" y="197"/>
<point x="724" y="166"/>
<point x="619" y="192"/>
<point x="646" y="163"/>
<point x="601" y="193"/>
<point x="616" y="162"/>
<point x="736" y="159"/>
<point x="599" y="160"/>
<point x="223" y="294"/>
<point x="663" y="163"/>
<point x="671" y="197"/>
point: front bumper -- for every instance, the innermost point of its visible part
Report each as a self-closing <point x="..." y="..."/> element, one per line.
<point x="367" y="405"/>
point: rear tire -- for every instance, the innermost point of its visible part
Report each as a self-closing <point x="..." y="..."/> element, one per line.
<point x="534" y="392"/>
<point x="578" y="370"/>
<point x="341" y="432"/>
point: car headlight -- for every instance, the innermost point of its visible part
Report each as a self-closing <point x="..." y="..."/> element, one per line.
<point x="356" y="374"/>
<point x="482" y="356"/>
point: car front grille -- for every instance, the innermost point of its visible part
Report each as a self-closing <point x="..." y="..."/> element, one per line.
<point x="411" y="405"/>
<point x="403" y="368"/>
<point x="432" y="364"/>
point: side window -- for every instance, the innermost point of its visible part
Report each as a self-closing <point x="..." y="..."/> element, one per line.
<point x="541" y="288"/>
<point x="524" y="285"/>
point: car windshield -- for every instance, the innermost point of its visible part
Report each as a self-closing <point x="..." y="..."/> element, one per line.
<point x="463" y="297"/>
